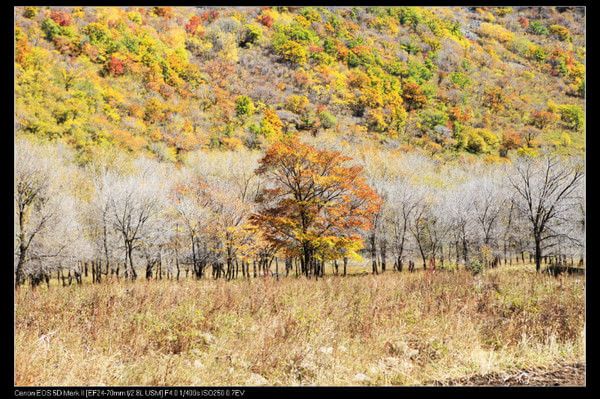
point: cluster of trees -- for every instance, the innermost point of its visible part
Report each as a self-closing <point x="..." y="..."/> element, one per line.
<point x="483" y="80"/>
<point x="294" y="209"/>
<point x="534" y="206"/>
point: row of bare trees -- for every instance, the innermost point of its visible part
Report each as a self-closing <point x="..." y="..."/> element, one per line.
<point x="494" y="214"/>
<point x="120" y="217"/>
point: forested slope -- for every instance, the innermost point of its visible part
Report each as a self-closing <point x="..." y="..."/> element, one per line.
<point x="167" y="81"/>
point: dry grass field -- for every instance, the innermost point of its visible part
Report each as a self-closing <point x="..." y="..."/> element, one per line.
<point x="391" y="329"/>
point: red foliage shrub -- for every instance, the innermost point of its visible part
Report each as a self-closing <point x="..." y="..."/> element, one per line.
<point x="511" y="140"/>
<point x="209" y="16"/>
<point x="524" y="22"/>
<point x="115" y="66"/>
<point x="61" y="18"/>
<point x="313" y="48"/>
<point x="193" y="24"/>
<point x="541" y="119"/>
<point x="165" y="12"/>
<point x="266" y="20"/>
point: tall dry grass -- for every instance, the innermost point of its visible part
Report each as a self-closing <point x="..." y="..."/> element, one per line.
<point x="405" y="329"/>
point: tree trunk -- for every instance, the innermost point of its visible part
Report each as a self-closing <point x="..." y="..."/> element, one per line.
<point x="160" y="272"/>
<point x="373" y="254"/>
<point x="194" y="259"/>
<point x="457" y="252"/>
<point x="177" y="264"/>
<point x="383" y="246"/>
<point x="538" y="254"/>
<point x="19" y="274"/>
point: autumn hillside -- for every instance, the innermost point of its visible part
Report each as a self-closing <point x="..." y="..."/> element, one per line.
<point x="167" y="81"/>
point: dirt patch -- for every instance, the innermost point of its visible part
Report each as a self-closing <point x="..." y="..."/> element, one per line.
<point x="564" y="375"/>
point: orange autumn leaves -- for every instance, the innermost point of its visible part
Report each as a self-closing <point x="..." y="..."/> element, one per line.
<point x="313" y="205"/>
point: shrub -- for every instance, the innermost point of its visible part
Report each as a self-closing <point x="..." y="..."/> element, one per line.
<point x="163" y="12"/>
<point x="98" y="34"/>
<point x="432" y="118"/>
<point x="291" y="51"/>
<point x="511" y="140"/>
<point x="193" y="24"/>
<point x="310" y="14"/>
<point x="224" y="43"/>
<point x="328" y="120"/>
<point x="231" y="143"/>
<point x="565" y="139"/>
<point x="115" y="66"/>
<point x="496" y="32"/>
<point x="376" y="120"/>
<point x="527" y="152"/>
<point x="541" y="119"/>
<point x="413" y="95"/>
<point x="296" y="104"/>
<point x="61" y="18"/>
<point x="135" y="16"/>
<point x="252" y="34"/>
<point x="360" y="55"/>
<point x="396" y="68"/>
<point x="494" y="98"/>
<point x="572" y="116"/>
<point x="524" y="22"/>
<point x="538" y="28"/>
<point x="30" y="12"/>
<point x="244" y="106"/>
<point x="409" y="16"/>
<point x="538" y="53"/>
<point x="209" y="16"/>
<point x="271" y="126"/>
<point x="296" y="32"/>
<point x="478" y="141"/>
<point x="474" y="266"/>
<point x="419" y="73"/>
<point x="460" y="79"/>
<point x="51" y="29"/>
<point x="561" y="32"/>
<point x="265" y="20"/>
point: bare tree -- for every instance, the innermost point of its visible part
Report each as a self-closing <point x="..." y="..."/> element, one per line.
<point x="486" y="202"/>
<point x="32" y="200"/>
<point x="135" y="203"/>
<point x="49" y="232"/>
<point x="192" y="210"/>
<point x="419" y="229"/>
<point x="461" y="219"/>
<point x="402" y="202"/>
<point x="545" y="190"/>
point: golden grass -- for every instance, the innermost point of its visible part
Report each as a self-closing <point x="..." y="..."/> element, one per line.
<point x="391" y="329"/>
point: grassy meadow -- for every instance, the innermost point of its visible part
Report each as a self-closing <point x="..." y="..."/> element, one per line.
<point x="390" y="329"/>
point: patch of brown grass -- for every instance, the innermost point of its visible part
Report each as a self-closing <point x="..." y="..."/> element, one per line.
<point x="391" y="329"/>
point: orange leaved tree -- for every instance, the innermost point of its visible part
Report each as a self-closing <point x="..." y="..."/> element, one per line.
<point x="313" y="206"/>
